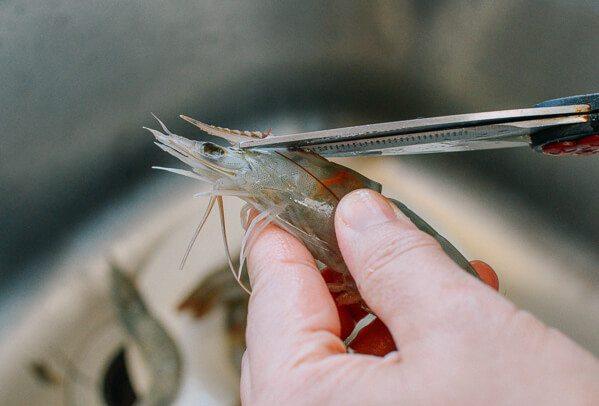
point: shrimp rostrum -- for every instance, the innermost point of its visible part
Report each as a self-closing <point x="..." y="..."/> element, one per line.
<point x="297" y="190"/>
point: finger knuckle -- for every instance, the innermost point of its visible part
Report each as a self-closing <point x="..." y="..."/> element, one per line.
<point x="390" y="247"/>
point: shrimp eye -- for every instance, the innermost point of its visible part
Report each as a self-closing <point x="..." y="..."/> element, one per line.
<point x="213" y="150"/>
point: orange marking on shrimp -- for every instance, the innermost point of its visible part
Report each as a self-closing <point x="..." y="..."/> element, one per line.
<point x="340" y="177"/>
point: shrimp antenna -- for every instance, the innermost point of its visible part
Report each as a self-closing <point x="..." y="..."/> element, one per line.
<point x="197" y="232"/>
<point x="164" y="127"/>
<point x="221" y="210"/>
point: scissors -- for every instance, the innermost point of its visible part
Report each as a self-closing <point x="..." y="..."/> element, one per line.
<point x="564" y="126"/>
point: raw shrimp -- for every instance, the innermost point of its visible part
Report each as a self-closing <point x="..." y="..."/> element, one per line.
<point x="295" y="189"/>
<point x="157" y="348"/>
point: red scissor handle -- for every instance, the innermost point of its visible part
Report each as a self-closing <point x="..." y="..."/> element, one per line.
<point x="570" y="144"/>
<point x="588" y="145"/>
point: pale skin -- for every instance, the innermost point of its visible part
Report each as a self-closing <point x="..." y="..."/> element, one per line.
<point x="459" y="341"/>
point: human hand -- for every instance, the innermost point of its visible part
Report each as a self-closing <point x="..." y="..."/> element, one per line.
<point x="459" y="341"/>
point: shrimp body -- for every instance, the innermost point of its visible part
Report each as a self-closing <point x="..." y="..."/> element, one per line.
<point x="297" y="190"/>
<point x="157" y="348"/>
<point x="302" y="190"/>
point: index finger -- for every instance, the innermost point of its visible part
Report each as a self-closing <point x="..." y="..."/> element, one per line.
<point x="291" y="316"/>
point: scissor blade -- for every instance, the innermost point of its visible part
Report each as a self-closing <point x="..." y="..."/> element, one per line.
<point x="408" y="127"/>
<point x="490" y="136"/>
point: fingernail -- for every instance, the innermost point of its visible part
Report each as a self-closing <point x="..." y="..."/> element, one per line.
<point x="364" y="208"/>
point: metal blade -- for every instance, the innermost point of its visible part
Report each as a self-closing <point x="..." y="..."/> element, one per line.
<point x="514" y="134"/>
<point x="437" y="129"/>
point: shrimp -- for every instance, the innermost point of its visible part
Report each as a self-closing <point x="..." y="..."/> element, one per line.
<point x="155" y="345"/>
<point x="294" y="189"/>
<point x="158" y="350"/>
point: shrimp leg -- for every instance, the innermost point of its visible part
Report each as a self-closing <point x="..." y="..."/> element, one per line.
<point x="197" y="232"/>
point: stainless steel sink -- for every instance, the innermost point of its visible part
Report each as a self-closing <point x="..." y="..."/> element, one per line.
<point x="80" y="79"/>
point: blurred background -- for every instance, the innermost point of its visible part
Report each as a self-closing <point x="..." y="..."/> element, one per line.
<point x="80" y="79"/>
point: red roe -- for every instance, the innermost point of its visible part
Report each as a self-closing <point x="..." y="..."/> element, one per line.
<point x="375" y="339"/>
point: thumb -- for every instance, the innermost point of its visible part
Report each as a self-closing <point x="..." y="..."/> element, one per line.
<point x="402" y="273"/>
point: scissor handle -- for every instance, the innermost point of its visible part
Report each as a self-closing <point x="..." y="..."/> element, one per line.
<point x="592" y="99"/>
<point x="579" y="139"/>
<point x="588" y="145"/>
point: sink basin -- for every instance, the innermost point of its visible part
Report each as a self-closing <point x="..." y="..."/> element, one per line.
<point x="80" y="79"/>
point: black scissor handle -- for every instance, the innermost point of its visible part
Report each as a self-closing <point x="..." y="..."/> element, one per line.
<point x="592" y="99"/>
